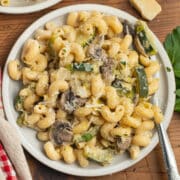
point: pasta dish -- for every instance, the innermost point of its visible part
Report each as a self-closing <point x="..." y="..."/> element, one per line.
<point x="87" y="87"/>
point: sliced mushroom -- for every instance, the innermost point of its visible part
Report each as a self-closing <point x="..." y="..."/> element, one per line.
<point x="96" y="52"/>
<point x="139" y="46"/>
<point x="136" y="99"/>
<point x="107" y="71"/>
<point x="61" y="132"/>
<point x="123" y="142"/>
<point x="69" y="102"/>
<point x="128" y="28"/>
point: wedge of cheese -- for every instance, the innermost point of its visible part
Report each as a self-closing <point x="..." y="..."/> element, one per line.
<point x="149" y="9"/>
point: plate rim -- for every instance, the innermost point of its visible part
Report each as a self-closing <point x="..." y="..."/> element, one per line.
<point x="28" y="9"/>
<point x="89" y="172"/>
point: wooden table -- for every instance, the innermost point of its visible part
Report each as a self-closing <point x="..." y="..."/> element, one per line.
<point x="11" y="26"/>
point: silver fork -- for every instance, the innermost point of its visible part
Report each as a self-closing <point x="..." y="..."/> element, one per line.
<point x="168" y="154"/>
<point x="167" y="151"/>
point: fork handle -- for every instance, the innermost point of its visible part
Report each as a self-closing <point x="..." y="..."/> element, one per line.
<point x="168" y="154"/>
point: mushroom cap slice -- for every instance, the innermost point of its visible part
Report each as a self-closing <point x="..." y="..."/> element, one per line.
<point x="61" y="132"/>
<point x="139" y="46"/>
<point x="128" y="28"/>
<point x="96" y="52"/>
<point x="123" y="142"/>
<point x="69" y="102"/>
<point x="107" y="71"/>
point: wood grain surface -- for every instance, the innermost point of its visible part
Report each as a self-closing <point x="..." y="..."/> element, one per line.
<point x="151" y="167"/>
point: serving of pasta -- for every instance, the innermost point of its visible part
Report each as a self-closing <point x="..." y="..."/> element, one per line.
<point x="87" y="87"/>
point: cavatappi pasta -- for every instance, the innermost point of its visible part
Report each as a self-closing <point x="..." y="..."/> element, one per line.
<point x="4" y="2"/>
<point x="87" y="87"/>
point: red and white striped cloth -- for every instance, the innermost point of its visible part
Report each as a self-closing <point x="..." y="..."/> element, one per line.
<point x="5" y="164"/>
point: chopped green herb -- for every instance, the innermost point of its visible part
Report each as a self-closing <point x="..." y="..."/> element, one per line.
<point x="87" y="137"/>
<point x="88" y="41"/>
<point x="85" y="39"/>
<point x="168" y="69"/>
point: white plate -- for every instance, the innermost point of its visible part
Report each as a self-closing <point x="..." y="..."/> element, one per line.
<point x="166" y="97"/>
<point x="27" y="6"/>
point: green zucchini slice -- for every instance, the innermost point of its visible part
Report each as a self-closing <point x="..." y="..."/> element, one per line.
<point x="143" y="40"/>
<point x="103" y="156"/>
<point x="142" y="83"/>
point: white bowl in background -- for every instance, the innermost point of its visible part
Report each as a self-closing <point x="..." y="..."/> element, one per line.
<point x="27" y="6"/>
